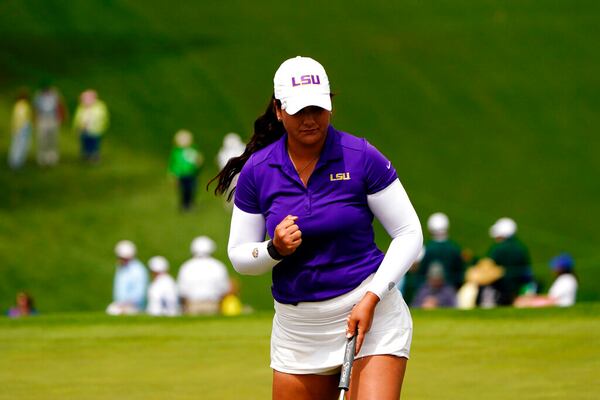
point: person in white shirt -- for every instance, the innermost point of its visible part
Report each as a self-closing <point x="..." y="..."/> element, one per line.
<point x="563" y="291"/>
<point x="162" y="293"/>
<point x="232" y="147"/>
<point x="202" y="281"/>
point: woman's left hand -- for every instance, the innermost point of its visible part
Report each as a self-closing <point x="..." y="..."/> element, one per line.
<point x="361" y="317"/>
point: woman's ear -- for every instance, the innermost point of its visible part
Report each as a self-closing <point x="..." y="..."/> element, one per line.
<point x="277" y="110"/>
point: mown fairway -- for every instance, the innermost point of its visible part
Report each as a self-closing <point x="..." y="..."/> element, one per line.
<point x="486" y="108"/>
<point x="494" y="354"/>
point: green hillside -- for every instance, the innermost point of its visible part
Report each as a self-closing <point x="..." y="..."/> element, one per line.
<point x="487" y="109"/>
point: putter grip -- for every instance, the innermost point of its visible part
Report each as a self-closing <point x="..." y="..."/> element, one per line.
<point x="347" y="365"/>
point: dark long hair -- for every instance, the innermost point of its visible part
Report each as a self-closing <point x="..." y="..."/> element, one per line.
<point x="267" y="129"/>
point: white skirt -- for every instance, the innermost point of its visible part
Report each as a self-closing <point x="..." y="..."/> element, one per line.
<point x="309" y="338"/>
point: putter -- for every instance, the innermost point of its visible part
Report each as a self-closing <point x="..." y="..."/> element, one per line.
<point x="344" y="384"/>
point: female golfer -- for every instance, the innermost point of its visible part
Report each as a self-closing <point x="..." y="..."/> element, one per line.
<point x="315" y="191"/>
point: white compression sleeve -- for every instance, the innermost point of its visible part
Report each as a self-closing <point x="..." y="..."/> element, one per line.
<point x="247" y="247"/>
<point x="393" y="209"/>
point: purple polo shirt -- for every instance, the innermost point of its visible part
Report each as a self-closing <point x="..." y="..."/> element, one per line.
<point x="338" y="250"/>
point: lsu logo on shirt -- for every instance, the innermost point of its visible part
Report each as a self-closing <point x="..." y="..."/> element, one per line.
<point x="340" y="176"/>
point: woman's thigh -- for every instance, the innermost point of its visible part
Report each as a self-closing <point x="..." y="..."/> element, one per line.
<point x="305" y="387"/>
<point x="377" y="377"/>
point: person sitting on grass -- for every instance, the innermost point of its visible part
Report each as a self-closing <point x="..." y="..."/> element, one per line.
<point x="563" y="291"/>
<point x="131" y="281"/>
<point x="202" y="281"/>
<point x="231" y="305"/>
<point x="440" y="249"/>
<point x="484" y="286"/>
<point x="162" y="293"/>
<point x="24" y="306"/>
<point x="435" y="292"/>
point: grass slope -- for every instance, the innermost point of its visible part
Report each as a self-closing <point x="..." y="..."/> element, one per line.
<point x="490" y="354"/>
<point x="486" y="108"/>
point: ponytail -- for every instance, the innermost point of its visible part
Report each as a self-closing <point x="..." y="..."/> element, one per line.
<point x="267" y="129"/>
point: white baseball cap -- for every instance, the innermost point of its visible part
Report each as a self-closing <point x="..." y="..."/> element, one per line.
<point x="125" y="249"/>
<point x="301" y="82"/>
<point x="158" y="264"/>
<point x="438" y="223"/>
<point x="504" y="227"/>
<point x="203" y="246"/>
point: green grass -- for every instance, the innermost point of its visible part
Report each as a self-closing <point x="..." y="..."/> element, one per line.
<point x="484" y="354"/>
<point x="487" y="108"/>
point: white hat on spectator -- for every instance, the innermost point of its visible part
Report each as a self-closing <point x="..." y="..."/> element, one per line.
<point x="438" y="223"/>
<point x="158" y="264"/>
<point x="125" y="249"/>
<point x="503" y="228"/>
<point x="232" y="139"/>
<point x="203" y="246"/>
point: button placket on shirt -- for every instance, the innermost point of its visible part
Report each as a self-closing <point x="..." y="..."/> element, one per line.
<point x="310" y="188"/>
<point x="308" y="200"/>
<point x="313" y="186"/>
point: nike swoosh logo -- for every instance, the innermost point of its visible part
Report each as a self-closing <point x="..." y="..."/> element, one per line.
<point x="389" y="164"/>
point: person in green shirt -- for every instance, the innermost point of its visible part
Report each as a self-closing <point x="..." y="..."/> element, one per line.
<point x="441" y="250"/>
<point x="185" y="165"/>
<point x="510" y="253"/>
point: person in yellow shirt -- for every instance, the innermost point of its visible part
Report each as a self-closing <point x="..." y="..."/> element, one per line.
<point x="90" y="121"/>
<point x="21" y="131"/>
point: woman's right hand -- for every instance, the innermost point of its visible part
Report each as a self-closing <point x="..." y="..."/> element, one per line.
<point x="287" y="236"/>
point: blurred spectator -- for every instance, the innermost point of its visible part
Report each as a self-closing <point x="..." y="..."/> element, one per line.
<point x="21" y="131"/>
<point x="510" y="253"/>
<point x="563" y="291"/>
<point x="203" y="281"/>
<point x="131" y="281"/>
<point x="485" y="286"/>
<point x="231" y="305"/>
<point x="232" y="147"/>
<point x="162" y="293"/>
<point x="185" y="165"/>
<point x="24" y="306"/>
<point x="90" y="121"/>
<point x="435" y="292"/>
<point x="408" y="283"/>
<point x="49" y="115"/>
<point x="441" y="250"/>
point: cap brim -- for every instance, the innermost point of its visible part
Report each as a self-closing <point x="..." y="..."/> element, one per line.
<point x="297" y="103"/>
